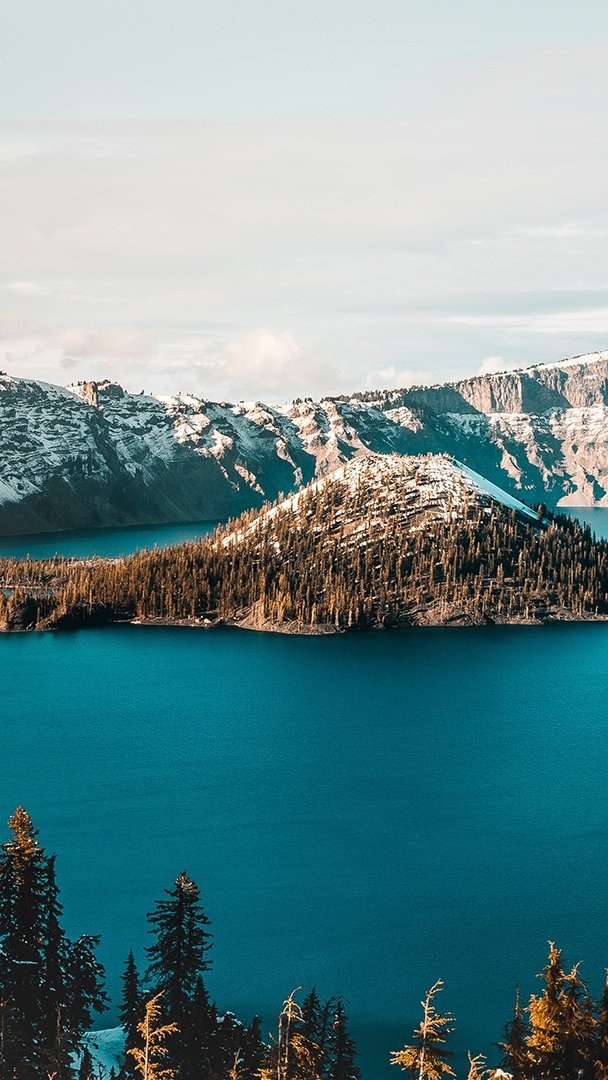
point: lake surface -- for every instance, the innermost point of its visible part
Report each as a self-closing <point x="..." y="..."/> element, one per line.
<point x="364" y="813"/>
<point x="109" y="543"/>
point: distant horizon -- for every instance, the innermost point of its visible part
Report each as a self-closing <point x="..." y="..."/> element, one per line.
<point x="186" y="391"/>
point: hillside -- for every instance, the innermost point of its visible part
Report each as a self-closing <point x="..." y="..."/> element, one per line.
<point x="382" y="541"/>
<point x="93" y="454"/>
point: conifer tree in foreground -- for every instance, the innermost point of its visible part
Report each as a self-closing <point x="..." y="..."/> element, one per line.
<point x="151" y="1055"/>
<point x="49" y="986"/>
<point x="178" y="959"/>
<point x="426" y="1058"/>
<point x="561" y="1043"/>
<point x="342" y="1051"/>
<point x="514" y="1046"/>
<point x="601" y="1064"/>
<point x="293" y="1055"/>
<point x="130" y="1009"/>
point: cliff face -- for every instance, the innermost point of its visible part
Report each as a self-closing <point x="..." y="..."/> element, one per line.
<point x="579" y="383"/>
<point x="96" y="455"/>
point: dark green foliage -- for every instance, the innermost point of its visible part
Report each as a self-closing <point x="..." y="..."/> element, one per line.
<point x="48" y="984"/>
<point x="178" y="959"/>
<point x="131" y="1009"/>
<point x="317" y="1019"/>
<point x="342" y="1051"/>
<point x="85" y="1069"/>
<point x="514" y="1047"/>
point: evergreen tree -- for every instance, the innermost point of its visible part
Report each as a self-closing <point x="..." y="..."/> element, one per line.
<point x="130" y="1009"/>
<point x="178" y="959"/>
<point x="85" y="1069"/>
<point x="514" y="1047"/>
<point x="601" y="1063"/>
<point x="151" y="1054"/>
<point x="317" y="1019"/>
<point x="48" y="985"/>
<point x="84" y="979"/>
<point x="253" y="1050"/>
<point x="426" y="1058"/>
<point x="561" y="1043"/>
<point x="293" y="1056"/>
<point x="202" y="1037"/>
<point x="342" y="1051"/>
<point x="22" y="938"/>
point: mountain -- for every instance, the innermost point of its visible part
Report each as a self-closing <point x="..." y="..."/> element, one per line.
<point x="93" y="454"/>
<point x="383" y="540"/>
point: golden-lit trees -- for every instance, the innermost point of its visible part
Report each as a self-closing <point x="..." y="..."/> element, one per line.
<point x="151" y="1054"/>
<point x="426" y="1058"/>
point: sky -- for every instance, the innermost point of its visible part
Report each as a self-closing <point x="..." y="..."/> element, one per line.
<point x="275" y="198"/>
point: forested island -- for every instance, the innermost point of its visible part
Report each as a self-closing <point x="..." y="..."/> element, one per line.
<point x="52" y="990"/>
<point x="384" y="541"/>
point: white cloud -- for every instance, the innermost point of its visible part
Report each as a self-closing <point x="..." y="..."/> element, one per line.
<point x="27" y="288"/>
<point x="390" y="378"/>
<point x="109" y="343"/>
<point x="263" y="364"/>
<point x="584" y="321"/>
<point x="266" y="364"/>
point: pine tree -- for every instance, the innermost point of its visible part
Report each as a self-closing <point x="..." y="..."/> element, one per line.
<point x="427" y="1058"/>
<point x="130" y="1008"/>
<point x="151" y="1055"/>
<point x="85" y="1069"/>
<point x="22" y="935"/>
<point x="561" y="1043"/>
<point x="253" y="1050"/>
<point x="317" y="1019"/>
<point x="202" y="1038"/>
<point x="342" y="1051"/>
<point x="601" y="1062"/>
<point x="293" y="1056"/>
<point x="46" y="992"/>
<point x="178" y="959"/>
<point x="514" y="1047"/>
<point x="84" y="979"/>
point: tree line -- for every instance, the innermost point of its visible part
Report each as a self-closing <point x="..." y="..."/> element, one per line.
<point x="333" y="556"/>
<point x="52" y="988"/>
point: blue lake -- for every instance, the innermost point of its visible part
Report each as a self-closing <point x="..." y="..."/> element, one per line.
<point x="364" y="813"/>
<point x="109" y="543"/>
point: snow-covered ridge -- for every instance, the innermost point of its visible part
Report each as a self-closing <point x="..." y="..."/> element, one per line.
<point x="386" y="490"/>
<point x="93" y="454"/>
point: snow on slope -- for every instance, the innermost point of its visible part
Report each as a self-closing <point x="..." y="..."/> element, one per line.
<point x="495" y="492"/>
<point x="380" y="491"/>
<point x="93" y="454"/>
<point x="107" y="1049"/>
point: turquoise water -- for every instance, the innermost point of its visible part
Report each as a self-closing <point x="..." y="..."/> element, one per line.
<point x="365" y="813"/>
<point x="110" y="543"/>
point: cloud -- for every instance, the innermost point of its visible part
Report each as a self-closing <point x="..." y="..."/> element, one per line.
<point x="110" y="343"/>
<point x="27" y="288"/>
<point x="267" y="364"/>
<point x="583" y="321"/>
<point x="389" y="378"/>
<point x="264" y="363"/>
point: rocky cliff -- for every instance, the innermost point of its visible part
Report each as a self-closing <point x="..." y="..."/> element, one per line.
<point x="95" y="455"/>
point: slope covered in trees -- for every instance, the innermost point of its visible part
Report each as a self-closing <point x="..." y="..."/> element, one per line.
<point x="383" y="541"/>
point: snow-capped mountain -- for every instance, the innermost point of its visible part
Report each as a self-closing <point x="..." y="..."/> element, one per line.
<point x="93" y="454"/>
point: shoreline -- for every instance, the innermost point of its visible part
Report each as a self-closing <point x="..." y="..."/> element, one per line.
<point x="295" y="629"/>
